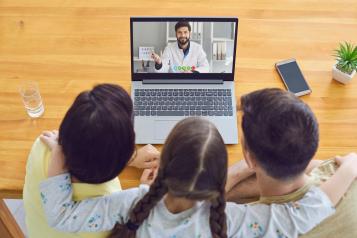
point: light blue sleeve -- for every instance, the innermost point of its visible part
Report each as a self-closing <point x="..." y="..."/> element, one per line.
<point x="89" y="215"/>
<point x="287" y="220"/>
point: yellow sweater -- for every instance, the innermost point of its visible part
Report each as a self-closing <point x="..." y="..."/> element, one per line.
<point x="36" y="171"/>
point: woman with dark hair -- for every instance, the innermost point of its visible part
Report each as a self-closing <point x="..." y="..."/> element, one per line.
<point x="97" y="135"/>
<point x="98" y="141"/>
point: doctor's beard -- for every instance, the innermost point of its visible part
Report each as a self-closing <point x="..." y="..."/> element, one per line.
<point x="183" y="40"/>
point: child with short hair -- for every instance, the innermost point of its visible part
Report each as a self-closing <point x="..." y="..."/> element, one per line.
<point x="186" y="199"/>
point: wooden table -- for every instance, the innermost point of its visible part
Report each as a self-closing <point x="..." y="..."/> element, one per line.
<point x="69" y="46"/>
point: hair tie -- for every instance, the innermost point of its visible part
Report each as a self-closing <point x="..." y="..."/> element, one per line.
<point x="132" y="226"/>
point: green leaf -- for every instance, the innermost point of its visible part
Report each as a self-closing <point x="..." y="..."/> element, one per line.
<point x="346" y="57"/>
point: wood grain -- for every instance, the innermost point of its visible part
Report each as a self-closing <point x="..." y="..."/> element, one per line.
<point x="8" y="226"/>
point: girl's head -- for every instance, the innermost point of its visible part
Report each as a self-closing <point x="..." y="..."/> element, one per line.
<point x="193" y="166"/>
<point x="97" y="134"/>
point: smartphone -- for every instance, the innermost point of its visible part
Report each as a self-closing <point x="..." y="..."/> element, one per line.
<point x="292" y="77"/>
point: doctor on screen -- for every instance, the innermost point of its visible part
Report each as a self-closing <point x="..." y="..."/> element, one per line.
<point x="183" y="56"/>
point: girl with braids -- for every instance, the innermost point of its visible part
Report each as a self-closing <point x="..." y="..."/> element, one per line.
<point x="186" y="199"/>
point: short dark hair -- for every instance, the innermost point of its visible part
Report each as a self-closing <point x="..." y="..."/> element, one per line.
<point x="280" y="131"/>
<point x="97" y="135"/>
<point x="182" y="24"/>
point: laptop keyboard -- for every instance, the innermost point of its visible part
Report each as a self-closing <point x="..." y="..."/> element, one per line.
<point x="183" y="102"/>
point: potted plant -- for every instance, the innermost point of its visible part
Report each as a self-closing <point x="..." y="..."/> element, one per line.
<point x="346" y="63"/>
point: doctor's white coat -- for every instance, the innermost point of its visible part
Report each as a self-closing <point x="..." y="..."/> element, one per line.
<point x="173" y="59"/>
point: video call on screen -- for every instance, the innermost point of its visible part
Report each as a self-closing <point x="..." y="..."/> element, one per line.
<point x="210" y="47"/>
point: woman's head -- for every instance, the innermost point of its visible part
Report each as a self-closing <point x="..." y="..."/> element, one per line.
<point x="193" y="166"/>
<point x="97" y="135"/>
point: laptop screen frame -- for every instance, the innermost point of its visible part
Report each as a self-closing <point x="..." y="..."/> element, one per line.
<point x="175" y="76"/>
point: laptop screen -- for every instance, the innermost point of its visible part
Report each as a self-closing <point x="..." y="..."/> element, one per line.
<point x="174" y="48"/>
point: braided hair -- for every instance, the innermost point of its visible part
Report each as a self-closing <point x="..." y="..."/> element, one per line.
<point x="141" y="210"/>
<point x="195" y="142"/>
<point x="217" y="219"/>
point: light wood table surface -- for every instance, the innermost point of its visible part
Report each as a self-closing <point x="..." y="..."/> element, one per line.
<point x="69" y="46"/>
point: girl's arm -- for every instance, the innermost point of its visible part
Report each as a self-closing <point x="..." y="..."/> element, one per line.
<point x="239" y="172"/>
<point x="57" y="162"/>
<point x="89" y="215"/>
<point x="236" y="174"/>
<point x="336" y="186"/>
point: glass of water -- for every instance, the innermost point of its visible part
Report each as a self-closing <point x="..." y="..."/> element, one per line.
<point x="31" y="98"/>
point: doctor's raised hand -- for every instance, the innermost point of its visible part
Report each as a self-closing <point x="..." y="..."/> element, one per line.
<point x="156" y="58"/>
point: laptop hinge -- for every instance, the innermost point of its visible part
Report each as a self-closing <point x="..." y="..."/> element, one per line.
<point x="183" y="81"/>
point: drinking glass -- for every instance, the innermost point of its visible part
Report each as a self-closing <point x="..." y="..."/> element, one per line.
<point x="31" y="98"/>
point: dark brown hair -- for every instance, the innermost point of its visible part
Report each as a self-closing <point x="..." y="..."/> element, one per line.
<point x="183" y="24"/>
<point x="280" y="131"/>
<point x="97" y="134"/>
<point x="193" y="166"/>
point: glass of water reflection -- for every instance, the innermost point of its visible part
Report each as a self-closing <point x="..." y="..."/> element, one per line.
<point x="31" y="98"/>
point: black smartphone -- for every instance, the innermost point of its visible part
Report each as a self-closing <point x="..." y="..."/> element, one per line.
<point x="292" y="77"/>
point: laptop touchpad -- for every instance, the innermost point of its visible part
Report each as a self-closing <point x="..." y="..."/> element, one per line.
<point x="163" y="128"/>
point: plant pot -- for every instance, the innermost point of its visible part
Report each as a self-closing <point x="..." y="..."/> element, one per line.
<point x="342" y="77"/>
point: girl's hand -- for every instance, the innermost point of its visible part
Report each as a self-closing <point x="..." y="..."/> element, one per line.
<point x="148" y="176"/>
<point x="146" y="157"/>
<point x="57" y="162"/>
<point x="50" y="138"/>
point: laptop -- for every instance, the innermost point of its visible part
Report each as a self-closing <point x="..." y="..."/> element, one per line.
<point x="182" y="67"/>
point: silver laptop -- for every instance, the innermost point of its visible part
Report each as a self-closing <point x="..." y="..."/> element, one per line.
<point x="182" y="67"/>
